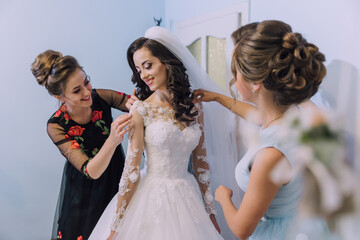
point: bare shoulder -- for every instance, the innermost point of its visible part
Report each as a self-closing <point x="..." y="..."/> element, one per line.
<point x="267" y="159"/>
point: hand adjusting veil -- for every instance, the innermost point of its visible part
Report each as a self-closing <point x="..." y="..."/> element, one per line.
<point x="219" y="123"/>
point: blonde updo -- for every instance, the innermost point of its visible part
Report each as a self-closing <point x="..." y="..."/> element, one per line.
<point x="283" y="61"/>
<point x="51" y="70"/>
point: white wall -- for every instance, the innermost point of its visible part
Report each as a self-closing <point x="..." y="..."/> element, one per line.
<point x="97" y="33"/>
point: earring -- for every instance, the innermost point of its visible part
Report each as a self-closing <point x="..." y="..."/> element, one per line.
<point x="253" y="92"/>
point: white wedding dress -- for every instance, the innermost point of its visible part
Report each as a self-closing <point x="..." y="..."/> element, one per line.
<point x="165" y="202"/>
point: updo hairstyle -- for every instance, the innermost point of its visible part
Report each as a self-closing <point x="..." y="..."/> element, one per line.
<point x="51" y="70"/>
<point x="287" y="65"/>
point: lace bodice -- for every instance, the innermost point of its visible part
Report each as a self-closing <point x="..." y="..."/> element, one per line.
<point x="168" y="144"/>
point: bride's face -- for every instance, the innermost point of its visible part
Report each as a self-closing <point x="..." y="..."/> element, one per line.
<point x="151" y="70"/>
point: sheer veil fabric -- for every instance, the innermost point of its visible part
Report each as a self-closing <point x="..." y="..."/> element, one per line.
<point x="219" y="124"/>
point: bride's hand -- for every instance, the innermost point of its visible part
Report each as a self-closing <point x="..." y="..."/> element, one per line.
<point x="111" y="235"/>
<point x="201" y="95"/>
<point x="213" y="220"/>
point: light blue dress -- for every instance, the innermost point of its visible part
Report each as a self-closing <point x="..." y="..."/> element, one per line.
<point x="277" y="219"/>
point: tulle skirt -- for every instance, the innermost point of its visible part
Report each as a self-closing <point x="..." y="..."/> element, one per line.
<point x="161" y="208"/>
<point x="272" y="229"/>
<point x="312" y="228"/>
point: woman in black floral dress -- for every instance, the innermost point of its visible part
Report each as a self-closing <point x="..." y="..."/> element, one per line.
<point x="85" y="134"/>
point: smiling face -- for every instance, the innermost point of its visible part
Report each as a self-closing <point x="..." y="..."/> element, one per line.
<point x="77" y="92"/>
<point x="151" y="70"/>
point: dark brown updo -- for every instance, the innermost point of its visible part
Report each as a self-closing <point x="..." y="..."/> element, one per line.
<point x="51" y="70"/>
<point x="283" y="61"/>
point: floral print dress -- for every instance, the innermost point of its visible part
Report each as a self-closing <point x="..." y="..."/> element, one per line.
<point x="82" y="199"/>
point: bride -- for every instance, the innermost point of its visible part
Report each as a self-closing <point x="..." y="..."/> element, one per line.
<point x="165" y="201"/>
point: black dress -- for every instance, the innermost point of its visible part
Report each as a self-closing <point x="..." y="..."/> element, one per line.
<point x="82" y="200"/>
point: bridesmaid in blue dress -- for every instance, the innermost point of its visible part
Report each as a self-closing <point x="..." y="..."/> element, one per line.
<point x="275" y="69"/>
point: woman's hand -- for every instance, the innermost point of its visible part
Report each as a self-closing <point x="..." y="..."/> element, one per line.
<point x="204" y="96"/>
<point x="213" y="220"/>
<point x="118" y="129"/>
<point x="223" y="193"/>
<point x="131" y="100"/>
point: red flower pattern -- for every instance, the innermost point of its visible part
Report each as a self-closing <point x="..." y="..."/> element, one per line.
<point x="67" y="117"/>
<point x="79" y="238"/>
<point x="59" y="236"/>
<point x="96" y="115"/>
<point x="58" y="112"/>
<point x="75" y="145"/>
<point x="75" y="131"/>
<point x="63" y="108"/>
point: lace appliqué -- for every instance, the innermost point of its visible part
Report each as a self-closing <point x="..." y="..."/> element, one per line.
<point x="203" y="168"/>
<point x="204" y="176"/>
<point x="209" y="202"/>
<point x="151" y="113"/>
<point x="203" y="158"/>
<point x="129" y="173"/>
<point x="118" y="216"/>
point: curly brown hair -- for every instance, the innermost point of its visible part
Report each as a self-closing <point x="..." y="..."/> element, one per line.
<point x="283" y="61"/>
<point x="242" y="31"/>
<point x="51" y="70"/>
<point x="179" y="85"/>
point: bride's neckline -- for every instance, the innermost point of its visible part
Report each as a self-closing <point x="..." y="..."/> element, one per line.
<point x="170" y="110"/>
<point x="159" y="106"/>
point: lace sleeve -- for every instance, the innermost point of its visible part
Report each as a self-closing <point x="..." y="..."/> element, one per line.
<point x="114" y="98"/>
<point x="131" y="174"/>
<point x="69" y="148"/>
<point x="201" y="167"/>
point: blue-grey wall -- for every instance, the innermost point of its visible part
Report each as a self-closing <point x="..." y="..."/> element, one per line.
<point x="97" y="33"/>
